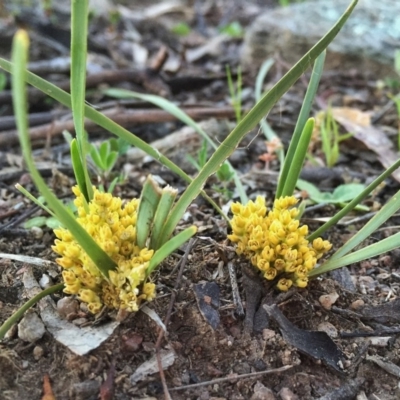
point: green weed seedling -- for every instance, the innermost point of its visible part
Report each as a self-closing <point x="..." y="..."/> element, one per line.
<point x="234" y="29"/>
<point x="339" y="197"/>
<point x="330" y="137"/>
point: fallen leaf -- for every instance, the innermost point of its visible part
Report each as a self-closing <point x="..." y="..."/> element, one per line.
<point x="47" y="390"/>
<point x="317" y="345"/>
<point x="359" y="123"/>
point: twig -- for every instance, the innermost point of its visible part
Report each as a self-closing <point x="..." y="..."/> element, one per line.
<point x="183" y="262"/>
<point x="121" y="116"/>
<point x="230" y="378"/>
<point x="235" y="291"/>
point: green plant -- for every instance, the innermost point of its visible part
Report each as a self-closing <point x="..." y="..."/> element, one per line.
<point x="340" y="196"/>
<point x="224" y="174"/>
<point x="234" y="29"/>
<point x="274" y="241"/>
<point x="88" y="200"/>
<point x="330" y="137"/>
<point x="181" y="29"/>
<point x="285" y="3"/>
<point x="236" y="94"/>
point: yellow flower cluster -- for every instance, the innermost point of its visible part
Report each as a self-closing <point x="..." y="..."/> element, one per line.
<point x="113" y="227"/>
<point x="274" y="241"/>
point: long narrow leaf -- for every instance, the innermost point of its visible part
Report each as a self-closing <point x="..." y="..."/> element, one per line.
<point x="79" y="169"/>
<point x="356" y="201"/>
<point x="373" y="250"/>
<point x="392" y="206"/>
<point x="298" y="159"/>
<point x="301" y="121"/>
<point x="19" y="57"/>
<point x="15" y="317"/>
<point x="249" y="121"/>
<point x="174" y="110"/>
<point x="149" y="199"/>
<point x="100" y="119"/>
<point x="79" y="30"/>
<point x="167" y="248"/>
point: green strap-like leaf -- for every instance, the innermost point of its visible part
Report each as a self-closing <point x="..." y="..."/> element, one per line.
<point x="149" y="200"/>
<point x="298" y="159"/>
<point x="249" y="122"/>
<point x="168" y="248"/>
<point x="301" y="121"/>
<point x="19" y="57"/>
<point x="7" y="324"/>
<point x="109" y="125"/>
<point x="79" y="31"/>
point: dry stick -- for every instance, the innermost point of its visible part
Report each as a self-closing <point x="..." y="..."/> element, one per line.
<point x="121" y="116"/>
<point x="183" y="262"/>
<point x="143" y="77"/>
<point x="230" y="378"/>
<point x="235" y="290"/>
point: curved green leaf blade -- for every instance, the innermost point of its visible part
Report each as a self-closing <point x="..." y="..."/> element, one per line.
<point x="19" y="57"/>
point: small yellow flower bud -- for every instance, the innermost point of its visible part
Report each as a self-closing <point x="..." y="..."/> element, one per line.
<point x="284" y="284"/>
<point x="270" y="274"/>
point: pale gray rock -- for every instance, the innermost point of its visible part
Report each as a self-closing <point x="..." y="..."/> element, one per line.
<point x="367" y="41"/>
<point x="31" y="328"/>
<point x="262" y="393"/>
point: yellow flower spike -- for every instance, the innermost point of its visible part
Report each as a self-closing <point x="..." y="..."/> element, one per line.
<point x="275" y="239"/>
<point x="113" y="226"/>
<point x="284" y="284"/>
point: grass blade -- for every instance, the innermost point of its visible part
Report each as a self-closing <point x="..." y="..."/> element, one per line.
<point x="19" y="57"/>
<point x="298" y="159"/>
<point x="174" y="110"/>
<point x="249" y="121"/>
<point x="100" y="119"/>
<point x="79" y="31"/>
<point x="301" y="121"/>
<point x="356" y="201"/>
<point x="373" y="250"/>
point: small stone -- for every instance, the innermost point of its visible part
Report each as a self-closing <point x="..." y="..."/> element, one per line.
<point x="84" y="390"/>
<point x="357" y="304"/>
<point x="31" y="328"/>
<point x="268" y="334"/>
<point x="80" y="321"/>
<point x="131" y="342"/>
<point x="37" y="232"/>
<point x="327" y="300"/>
<point x="45" y="281"/>
<point x="12" y="332"/>
<point x="262" y="393"/>
<point x="149" y="346"/>
<point x="67" y="305"/>
<point x="38" y="352"/>
<point x="383" y="276"/>
<point x="328" y="328"/>
<point x="287" y="394"/>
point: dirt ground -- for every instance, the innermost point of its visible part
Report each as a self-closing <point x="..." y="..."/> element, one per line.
<point x="218" y="351"/>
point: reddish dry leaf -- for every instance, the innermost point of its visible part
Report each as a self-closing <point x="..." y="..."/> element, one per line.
<point x="107" y="388"/>
<point x="47" y="390"/>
